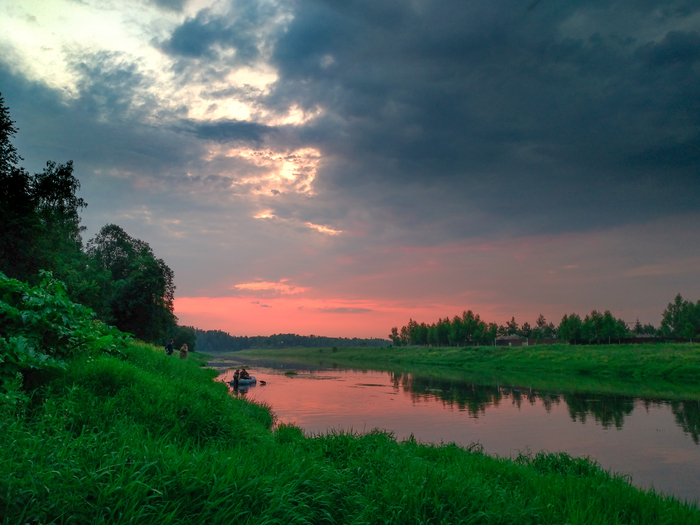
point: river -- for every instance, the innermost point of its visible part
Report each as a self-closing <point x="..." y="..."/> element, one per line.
<point x="655" y="442"/>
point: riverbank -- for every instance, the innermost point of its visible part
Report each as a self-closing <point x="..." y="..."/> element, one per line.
<point x="148" y="438"/>
<point x="667" y="371"/>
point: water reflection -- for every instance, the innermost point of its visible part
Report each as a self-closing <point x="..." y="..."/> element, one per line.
<point x="687" y="415"/>
<point x="653" y="440"/>
<point x="607" y="410"/>
<point x="610" y="411"/>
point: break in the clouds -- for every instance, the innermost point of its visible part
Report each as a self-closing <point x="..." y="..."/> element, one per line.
<point x="385" y="159"/>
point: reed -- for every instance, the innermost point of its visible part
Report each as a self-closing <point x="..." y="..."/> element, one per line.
<point x="145" y="438"/>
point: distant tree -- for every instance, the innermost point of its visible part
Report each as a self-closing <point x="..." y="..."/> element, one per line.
<point x="681" y="319"/>
<point x="649" y="329"/>
<point x="182" y="335"/>
<point x="512" y="327"/>
<point x="395" y="337"/>
<point x="543" y="330"/>
<point x="570" y="328"/>
<point x="638" y="328"/>
<point x="456" y="335"/>
<point x="526" y="330"/>
<point x="612" y="328"/>
<point x="592" y="327"/>
<point x="491" y="332"/>
<point x="142" y="287"/>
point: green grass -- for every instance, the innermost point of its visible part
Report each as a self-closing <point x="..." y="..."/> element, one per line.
<point x="147" y="438"/>
<point x="669" y="371"/>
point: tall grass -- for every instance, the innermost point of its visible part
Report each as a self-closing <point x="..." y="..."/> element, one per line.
<point x="146" y="438"/>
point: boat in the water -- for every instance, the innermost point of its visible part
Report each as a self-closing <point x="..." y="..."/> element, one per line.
<point x="245" y="382"/>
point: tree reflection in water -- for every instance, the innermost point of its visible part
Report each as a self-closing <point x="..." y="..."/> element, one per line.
<point x="687" y="415"/>
<point x="607" y="410"/>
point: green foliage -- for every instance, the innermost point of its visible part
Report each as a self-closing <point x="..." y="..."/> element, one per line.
<point x="41" y="328"/>
<point x="141" y="289"/>
<point x="119" y="277"/>
<point x="183" y="335"/>
<point x="681" y="319"/>
<point x="149" y="439"/>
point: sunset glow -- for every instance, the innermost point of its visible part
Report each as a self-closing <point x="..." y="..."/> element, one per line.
<point x="308" y="167"/>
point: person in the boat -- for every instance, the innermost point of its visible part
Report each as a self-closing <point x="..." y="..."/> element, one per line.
<point x="244" y="374"/>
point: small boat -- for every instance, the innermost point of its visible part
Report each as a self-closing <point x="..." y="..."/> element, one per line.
<point x="248" y="381"/>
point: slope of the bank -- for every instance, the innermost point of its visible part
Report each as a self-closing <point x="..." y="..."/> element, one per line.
<point x="147" y="438"/>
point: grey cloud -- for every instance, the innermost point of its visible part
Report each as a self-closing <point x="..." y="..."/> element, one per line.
<point x="170" y="5"/>
<point x="677" y="47"/>
<point x="494" y="106"/>
<point x="343" y="310"/>
<point x="208" y="34"/>
<point x="230" y="131"/>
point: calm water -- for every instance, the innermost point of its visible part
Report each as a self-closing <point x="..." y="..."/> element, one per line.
<point x="653" y="441"/>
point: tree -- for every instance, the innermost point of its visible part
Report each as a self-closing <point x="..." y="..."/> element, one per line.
<point x="395" y="337"/>
<point x="182" y="335"/>
<point x="39" y="217"/>
<point x="141" y="291"/>
<point x="681" y="319"/>
<point x="570" y="328"/>
<point x="543" y="330"/>
<point x="592" y="327"/>
<point x="512" y="327"/>
<point x="20" y="224"/>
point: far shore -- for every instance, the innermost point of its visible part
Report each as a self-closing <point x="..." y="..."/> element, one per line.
<point x="654" y="370"/>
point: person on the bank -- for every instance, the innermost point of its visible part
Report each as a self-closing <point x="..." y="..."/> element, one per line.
<point x="236" y="375"/>
<point x="169" y="347"/>
<point x="183" y="351"/>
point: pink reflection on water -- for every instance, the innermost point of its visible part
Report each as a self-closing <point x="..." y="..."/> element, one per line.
<point x="649" y="445"/>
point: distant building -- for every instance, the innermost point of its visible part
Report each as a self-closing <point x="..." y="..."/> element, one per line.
<point x="517" y="340"/>
<point x="510" y="340"/>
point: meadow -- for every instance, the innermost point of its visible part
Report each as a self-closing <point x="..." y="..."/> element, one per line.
<point x="652" y="370"/>
<point x="143" y="438"/>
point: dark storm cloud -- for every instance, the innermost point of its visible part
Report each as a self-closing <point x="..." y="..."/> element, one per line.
<point x="677" y="47"/>
<point x="543" y="119"/>
<point x="207" y="35"/>
<point x="231" y="131"/>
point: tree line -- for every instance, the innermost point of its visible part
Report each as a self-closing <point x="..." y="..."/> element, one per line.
<point x="680" y="320"/>
<point x="219" y="341"/>
<point x="116" y="275"/>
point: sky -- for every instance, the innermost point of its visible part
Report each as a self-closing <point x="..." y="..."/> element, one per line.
<point x="338" y="167"/>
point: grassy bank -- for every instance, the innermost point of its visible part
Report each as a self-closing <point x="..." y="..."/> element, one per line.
<point x="669" y="371"/>
<point x="147" y="438"/>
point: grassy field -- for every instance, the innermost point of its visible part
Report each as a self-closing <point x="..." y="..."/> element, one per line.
<point x="147" y="438"/>
<point x="668" y="371"/>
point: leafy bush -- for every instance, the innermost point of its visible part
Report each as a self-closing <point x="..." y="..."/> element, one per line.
<point x="40" y="328"/>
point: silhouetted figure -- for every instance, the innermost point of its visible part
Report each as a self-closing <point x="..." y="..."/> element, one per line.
<point x="236" y="375"/>
<point x="169" y="347"/>
<point x="183" y="351"/>
<point x="245" y="374"/>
